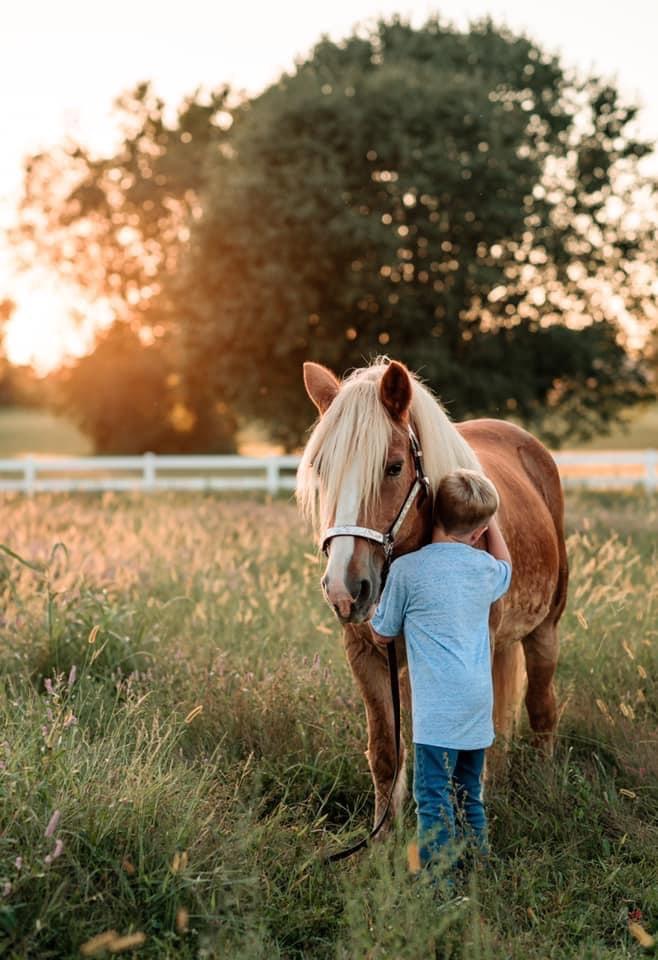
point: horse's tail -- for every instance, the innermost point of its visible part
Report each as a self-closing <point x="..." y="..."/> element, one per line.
<point x="542" y="470"/>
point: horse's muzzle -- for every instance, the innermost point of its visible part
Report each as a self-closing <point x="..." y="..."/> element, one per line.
<point x="352" y="603"/>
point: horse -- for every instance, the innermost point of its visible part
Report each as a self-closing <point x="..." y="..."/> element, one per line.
<point x="359" y="484"/>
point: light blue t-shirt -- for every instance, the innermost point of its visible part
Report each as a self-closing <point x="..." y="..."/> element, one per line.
<point x="439" y="597"/>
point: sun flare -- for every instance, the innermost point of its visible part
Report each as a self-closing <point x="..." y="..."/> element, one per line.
<point x="46" y="328"/>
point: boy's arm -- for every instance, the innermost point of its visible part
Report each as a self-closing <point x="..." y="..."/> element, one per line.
<point x="496" y="545"/>
<point x="389" y="616"/>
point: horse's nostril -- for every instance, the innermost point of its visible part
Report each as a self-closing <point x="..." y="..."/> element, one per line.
<point x="364" y="592"/>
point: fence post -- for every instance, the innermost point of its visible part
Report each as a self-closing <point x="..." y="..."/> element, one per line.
<point x="273" y="476"/>
<point x="149" y="471"/>
<point x="29" y="472"/>
<point x="651" y="478"/>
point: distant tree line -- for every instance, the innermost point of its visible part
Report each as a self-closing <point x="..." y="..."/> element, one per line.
<point x="454" y="199"/>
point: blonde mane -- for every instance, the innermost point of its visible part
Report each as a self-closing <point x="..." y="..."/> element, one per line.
<point x="356" y="431"/>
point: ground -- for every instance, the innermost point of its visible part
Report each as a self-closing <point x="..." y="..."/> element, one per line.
<point x="181" y="739"/>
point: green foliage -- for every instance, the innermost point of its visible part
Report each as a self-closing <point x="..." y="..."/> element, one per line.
<point x="127" y="397"/>
<point x="169" y="603"/>
<point x="452" y="198"/>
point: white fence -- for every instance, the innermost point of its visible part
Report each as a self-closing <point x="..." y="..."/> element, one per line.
<point x="605" y="469"/>
<point x="149" y="472"/>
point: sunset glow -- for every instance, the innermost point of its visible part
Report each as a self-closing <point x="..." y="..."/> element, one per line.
<point x="45" y="329"/>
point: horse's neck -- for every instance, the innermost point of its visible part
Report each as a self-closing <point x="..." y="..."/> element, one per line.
<point x="424" y="532"/>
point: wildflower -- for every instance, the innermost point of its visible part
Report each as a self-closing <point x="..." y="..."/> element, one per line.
<point x="72" y="675"/>
<point x="48" y="684"/>
<point x="6" y="889"/>
<point x="100" y="942"/>
<point x="128" y="942"/>
<point x="53" y="823"/>
<point x="57" y="852"/>
<point x="413" y="858"/>
<point x="637" y="931"/>
<point x="180" y="861"/>
<point x="18" y="863"/>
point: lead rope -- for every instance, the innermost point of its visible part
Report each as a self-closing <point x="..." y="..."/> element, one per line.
<point x="395" y="697"/>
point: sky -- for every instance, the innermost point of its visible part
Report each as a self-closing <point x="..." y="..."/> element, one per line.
<point x="63" y="64"/>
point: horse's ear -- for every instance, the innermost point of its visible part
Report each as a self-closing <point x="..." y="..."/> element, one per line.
<point x="395" y="390"/>
<point x="321" y="385"/>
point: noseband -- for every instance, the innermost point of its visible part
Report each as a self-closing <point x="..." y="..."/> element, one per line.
<point x="387" y="540"/>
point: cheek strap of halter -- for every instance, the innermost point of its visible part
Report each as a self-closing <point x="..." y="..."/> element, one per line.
<point x="386" y="540"/>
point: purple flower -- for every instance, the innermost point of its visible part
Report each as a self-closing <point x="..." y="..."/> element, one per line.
<point x="72" y="675"/>
<point x="53" y="823"/>
<point x="59" y="847"/>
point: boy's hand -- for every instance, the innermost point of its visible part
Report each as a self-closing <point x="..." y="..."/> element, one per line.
<point x="496" y="543"/>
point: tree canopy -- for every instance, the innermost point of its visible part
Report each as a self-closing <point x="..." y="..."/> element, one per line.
<point x="451" y="198"/>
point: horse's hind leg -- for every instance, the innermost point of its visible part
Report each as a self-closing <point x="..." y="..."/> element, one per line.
<point x="370" y="668"/>
<point x="541" y="652"/>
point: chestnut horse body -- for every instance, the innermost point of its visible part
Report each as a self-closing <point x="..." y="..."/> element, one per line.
<point x="358" y="468"/>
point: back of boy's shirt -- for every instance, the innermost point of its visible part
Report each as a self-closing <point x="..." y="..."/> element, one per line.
<point x="440" y="597"/>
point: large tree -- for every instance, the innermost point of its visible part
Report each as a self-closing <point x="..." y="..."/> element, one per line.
<point x="452" y="198"/>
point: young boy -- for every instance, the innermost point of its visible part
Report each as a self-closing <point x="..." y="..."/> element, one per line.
<point x="439" y="597"/>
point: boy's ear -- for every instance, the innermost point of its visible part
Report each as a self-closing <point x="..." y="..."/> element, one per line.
<point x="477" y="533"/>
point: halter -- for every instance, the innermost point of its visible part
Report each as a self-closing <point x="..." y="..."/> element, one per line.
<point x="387" y="540"/>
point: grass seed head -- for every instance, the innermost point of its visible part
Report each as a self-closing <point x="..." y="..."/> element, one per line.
<point x="98" y="944"/>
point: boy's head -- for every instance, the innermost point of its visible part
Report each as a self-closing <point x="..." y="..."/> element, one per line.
<point x="465" y="501"/>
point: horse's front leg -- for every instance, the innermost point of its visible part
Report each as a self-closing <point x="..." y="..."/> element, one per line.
<point x="370" y="667"/>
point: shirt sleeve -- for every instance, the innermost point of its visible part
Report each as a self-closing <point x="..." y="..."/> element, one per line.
<point x="389" y="616"/>
<point x="501" y="578"/>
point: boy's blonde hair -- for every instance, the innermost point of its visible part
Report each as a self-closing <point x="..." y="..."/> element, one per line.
<point x="464" y="501"/>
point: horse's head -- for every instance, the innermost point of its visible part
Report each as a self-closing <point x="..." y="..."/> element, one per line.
<point x="360" y="469"/>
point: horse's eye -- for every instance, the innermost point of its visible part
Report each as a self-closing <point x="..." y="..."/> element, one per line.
<point x="394" y="469"/>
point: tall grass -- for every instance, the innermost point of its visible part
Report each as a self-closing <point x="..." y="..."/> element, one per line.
<point x="181" y="738"/>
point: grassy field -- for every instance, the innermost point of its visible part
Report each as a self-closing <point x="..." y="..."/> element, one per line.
<point x="181" y="737"/>
<point x="24" y="431"/>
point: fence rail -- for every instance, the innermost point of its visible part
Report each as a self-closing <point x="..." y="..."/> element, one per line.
<point x="150" y="472"/>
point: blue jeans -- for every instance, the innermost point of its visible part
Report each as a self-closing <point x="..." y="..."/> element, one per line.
<point x="448" y="795"/>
